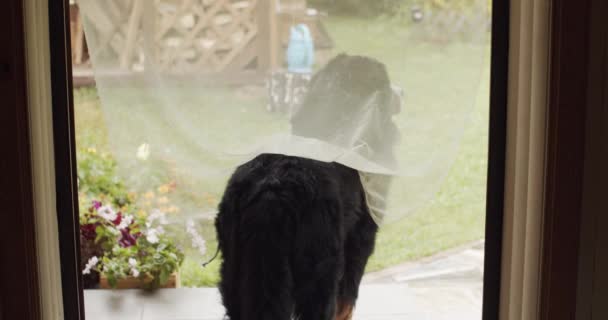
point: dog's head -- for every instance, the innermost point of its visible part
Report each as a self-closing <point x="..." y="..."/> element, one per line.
<point x="349" y="79"/>
<point x="340" y="97"/>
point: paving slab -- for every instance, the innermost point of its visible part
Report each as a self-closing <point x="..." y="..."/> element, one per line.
<point x="376" y="302"/>
<point x="447" y="286"/>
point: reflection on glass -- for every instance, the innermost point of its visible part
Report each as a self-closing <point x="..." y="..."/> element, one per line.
<point x="185" y="91"/>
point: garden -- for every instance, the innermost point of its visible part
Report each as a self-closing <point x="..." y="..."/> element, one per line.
<point x="135" y="204"/>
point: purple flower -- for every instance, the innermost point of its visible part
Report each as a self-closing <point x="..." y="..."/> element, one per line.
<point x="88" y="230"/>
<point x="118" y="219"/>
<point x="127" y="239"/>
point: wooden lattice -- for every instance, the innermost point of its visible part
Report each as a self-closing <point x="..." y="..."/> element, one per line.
<point x="113" y="29"/>
<point x="192" y="37"/>
<point x="174" y="36"/>
<point x="204" y="35"/>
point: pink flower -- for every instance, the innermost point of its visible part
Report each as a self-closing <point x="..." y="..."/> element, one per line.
<point x="95" y="205"/>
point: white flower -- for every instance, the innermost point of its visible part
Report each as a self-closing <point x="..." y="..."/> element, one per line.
<point x="197" y="240"/>
<point x="107" y="213"/>
<point x="90" y="264"/>
<point x="134" y="272"/>
<point x="163" y="220"/>
<point x="132" y="262"/>
<point x="157" y="215"/>
<point x="143" y="152"/>
<point x="125" y="222"/>
<point x="152" y="236"/>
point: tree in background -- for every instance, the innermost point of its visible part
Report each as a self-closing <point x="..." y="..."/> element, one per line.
<point x="364" y="8"/>
<point x="444" y="21"/>
<point x="439" y="21"/>
<point x="392" y="7"/>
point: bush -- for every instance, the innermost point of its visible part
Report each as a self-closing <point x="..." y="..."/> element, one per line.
<point x="357" y="7"/>
<point x="447" y="21"/>
<point x="392" y="7"/>
<point x="97" y="177"/>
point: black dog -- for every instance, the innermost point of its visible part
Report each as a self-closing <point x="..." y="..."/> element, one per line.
<point x="295" y="233"/>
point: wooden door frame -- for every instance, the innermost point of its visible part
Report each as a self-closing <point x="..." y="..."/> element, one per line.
<point x="19" y="291"/>
<point x="592" y="281"/>
<point x="566" y="136"/>
<point x="574" y="34"/>
<point x="567" y="104"/>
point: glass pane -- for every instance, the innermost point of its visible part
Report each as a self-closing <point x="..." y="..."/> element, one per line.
<point x="185" y="91"/>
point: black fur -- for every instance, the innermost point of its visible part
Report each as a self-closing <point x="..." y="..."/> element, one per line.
<point x="295" y="234"/>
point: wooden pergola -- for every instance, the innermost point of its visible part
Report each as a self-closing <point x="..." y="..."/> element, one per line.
<point x="230" y="40"/>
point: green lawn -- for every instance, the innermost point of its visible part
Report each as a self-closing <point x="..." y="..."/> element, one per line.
<point x="437" y="79"/>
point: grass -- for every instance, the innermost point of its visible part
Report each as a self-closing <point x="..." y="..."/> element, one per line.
<point x="445" y="116"/>
<point x="435" y="78"/>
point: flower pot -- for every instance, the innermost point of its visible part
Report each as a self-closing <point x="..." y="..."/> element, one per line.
<point x="137" y="283"/>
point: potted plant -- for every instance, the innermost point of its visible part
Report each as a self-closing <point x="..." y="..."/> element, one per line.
<point x="135" y="250"/>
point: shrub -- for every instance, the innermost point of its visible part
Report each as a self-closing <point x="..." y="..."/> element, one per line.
<point x="97" y="177"/>
<point x="357" y="7"/>
<point x="442" y="21"/>
<point x="391" y="7"/>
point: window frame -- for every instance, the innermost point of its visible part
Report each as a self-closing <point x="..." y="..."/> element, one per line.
<point x="497" y="145"/>
<point x="572" y="96"/>
<point x="65" y="159"/>
<point x="64" y="150"/>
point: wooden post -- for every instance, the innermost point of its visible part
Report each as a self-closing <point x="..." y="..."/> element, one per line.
<point x="132" y="29"/>
<point x="274" y="35"/>
<point x="149" y="38"/>
<point x="77" y="35"/>
<point x="79" y="41"/>
<point x="267" y="36"/>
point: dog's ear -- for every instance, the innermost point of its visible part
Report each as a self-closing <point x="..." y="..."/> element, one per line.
<point x="334" y="65"/>
<point x="344" y="79"/>
<point x="360" y="76"/>
<point x="339" y="58"/>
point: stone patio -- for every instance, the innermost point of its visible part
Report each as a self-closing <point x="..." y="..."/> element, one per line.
<point x="442" y="287"/>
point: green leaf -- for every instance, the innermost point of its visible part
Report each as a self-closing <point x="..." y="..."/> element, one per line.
<point x="99" y="231"/>
<point x="112" y="281"/>
<point x="164" y="276"/>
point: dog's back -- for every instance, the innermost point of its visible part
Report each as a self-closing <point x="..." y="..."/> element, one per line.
<point x="295" y="235"/>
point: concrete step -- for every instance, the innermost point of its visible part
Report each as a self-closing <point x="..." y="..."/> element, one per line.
<point x="376" y="302"/>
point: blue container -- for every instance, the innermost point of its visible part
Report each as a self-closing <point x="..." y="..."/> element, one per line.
<point x="300" y="50"/>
